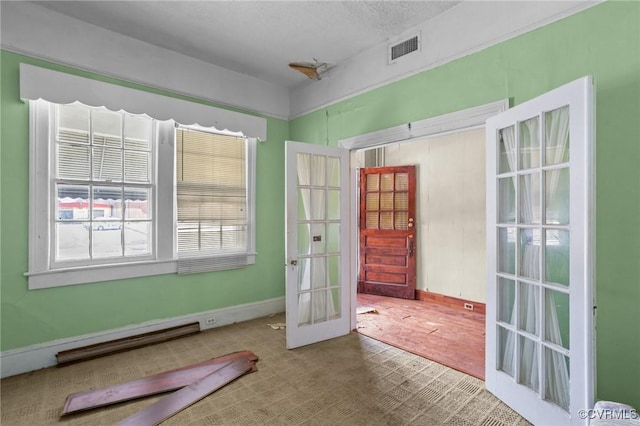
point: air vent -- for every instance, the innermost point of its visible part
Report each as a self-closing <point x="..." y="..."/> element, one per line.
<point x="403" y="48"/>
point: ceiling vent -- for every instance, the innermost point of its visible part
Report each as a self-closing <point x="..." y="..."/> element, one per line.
<point x="398" y="50"/>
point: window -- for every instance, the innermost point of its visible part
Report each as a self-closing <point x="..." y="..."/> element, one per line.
<point x="117" y="195"/>
<point x="212" y="203"/>
<point x="102" y="184"/>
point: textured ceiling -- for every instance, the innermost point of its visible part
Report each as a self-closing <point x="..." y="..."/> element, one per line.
<point x="258" y="38"/>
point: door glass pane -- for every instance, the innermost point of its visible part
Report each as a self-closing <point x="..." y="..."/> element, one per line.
<point x="373" y="182"/>
<point x="333" y="170"/>
<point x="334" y="270"/>
<point x="506" y="200"/>
<point x="386" y="201"/>
<point x="507" y="150"/>
<point x="304" y="169"/>
<point x="528" y="353"/>
<point x="506" y="343"/>
<point x="320" y="306"/>
<point x="333" y="238"/>
<point x="318" y="272"/>
<point x="402" y="181"/>
<point x="557" y="196"/>
<point x="334" y="306"/>
<point x="304" y="274"/>
<point x="318" y="207"/>
<point x="530" y="253"/>
<point x="372" y="220"/>
<point x="506" y="299"/>
<point x="557" y="318"/>
<point x="304" y="308"/>
<point x="557" y="136"/>
<point x="557" y="373"/>
<point x="386" y="220"/>
<point x="507" y="250"/>
<point x="557" y="254"/>
<point x="304" y="240"/>
<point x="372" y="201"/>
<point x="401" y="201"/>
<point x="386" y="183"/>
<point x="334" y="205"/>
<point x="401" y="221"/>
<point x="318" y="238"/>
<point x="530" y="143"/>
<point x="304" y="203"/>
<point x="530" y="210"/>
<point x="528" y="308"/>
<point x="318" y="170"/>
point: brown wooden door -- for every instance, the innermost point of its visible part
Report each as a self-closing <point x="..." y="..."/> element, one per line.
<point x="387" y="231"/>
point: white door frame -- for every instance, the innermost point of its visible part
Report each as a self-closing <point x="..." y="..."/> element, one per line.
<point x="466" y="119"/>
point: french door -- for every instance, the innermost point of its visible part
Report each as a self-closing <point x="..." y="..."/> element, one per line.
<point x="317" y="243"/>
<point x="539" y="321"/>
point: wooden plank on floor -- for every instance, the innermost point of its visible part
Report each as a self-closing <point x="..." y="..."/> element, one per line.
<point x="125" y="344"/>
<point x="183" y="398"/>
<point x="151" y="385"/>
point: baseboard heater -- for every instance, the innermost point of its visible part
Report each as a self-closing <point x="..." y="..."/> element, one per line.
<point x="127" y="343"/>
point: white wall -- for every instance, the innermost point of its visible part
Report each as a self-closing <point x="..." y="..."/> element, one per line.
<point x="32" y="30"/>
<point x="450" y="201"/>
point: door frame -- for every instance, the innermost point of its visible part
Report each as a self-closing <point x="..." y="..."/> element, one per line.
<point x="466" y="119"/>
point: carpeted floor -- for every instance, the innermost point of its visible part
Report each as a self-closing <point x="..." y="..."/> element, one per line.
<point x="351" y="380"/>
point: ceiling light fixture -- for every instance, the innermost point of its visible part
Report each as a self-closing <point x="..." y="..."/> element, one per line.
<point x="312" y="70"/>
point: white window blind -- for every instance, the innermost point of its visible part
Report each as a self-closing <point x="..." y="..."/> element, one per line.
<point x="212" y="200"/>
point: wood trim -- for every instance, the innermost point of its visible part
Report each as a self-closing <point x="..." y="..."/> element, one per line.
<point x="125" y="344"/>
<point x="151" y="385"/>
<point x="452" y="302"/>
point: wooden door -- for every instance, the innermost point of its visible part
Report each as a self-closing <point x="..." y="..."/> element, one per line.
<point x="319" y="274"/>
<point x="387" y="231"/>
<point x="540" y="306"/>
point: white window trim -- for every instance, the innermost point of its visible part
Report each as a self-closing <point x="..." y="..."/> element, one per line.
<point x="40" y="274"/>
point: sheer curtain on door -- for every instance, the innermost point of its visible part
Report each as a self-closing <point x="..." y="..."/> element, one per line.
<point x="312" y="274"/>
<point x="529" y="265"/>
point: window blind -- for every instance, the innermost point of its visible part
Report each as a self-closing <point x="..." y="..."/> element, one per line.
<point x="211" y="181"/>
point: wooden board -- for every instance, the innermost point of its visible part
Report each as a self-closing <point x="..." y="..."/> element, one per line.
<point x="179" y="400"/>
<point x="151" y="385"/>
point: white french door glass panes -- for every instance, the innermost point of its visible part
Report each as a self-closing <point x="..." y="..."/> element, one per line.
<point x="539" y="325"/>
<point x="317" y="243"/>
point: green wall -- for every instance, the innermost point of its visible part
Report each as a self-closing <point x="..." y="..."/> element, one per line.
<point x="603" y="41"/>
<point x="30" y="317"/>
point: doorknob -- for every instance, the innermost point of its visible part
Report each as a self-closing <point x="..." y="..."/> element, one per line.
<point x="293" y="262"/>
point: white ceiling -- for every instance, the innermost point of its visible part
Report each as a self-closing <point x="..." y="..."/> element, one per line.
<point x="258" y="38"/>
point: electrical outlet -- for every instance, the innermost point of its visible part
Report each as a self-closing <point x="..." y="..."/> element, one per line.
<point x="468" y="306"/>
<point x="210" y="321"/>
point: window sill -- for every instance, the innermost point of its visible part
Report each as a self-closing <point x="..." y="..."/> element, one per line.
<point x="98" y="273"/>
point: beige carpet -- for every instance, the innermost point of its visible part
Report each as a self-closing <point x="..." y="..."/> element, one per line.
<point x="351" y="380"/>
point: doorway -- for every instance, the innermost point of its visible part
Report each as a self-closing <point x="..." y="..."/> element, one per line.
<point x="449" y="253"/>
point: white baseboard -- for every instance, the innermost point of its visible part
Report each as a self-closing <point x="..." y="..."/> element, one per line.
<point x="42" y="355"/>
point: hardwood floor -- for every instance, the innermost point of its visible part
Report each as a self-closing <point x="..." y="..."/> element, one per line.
<point x="452" y="337"/>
